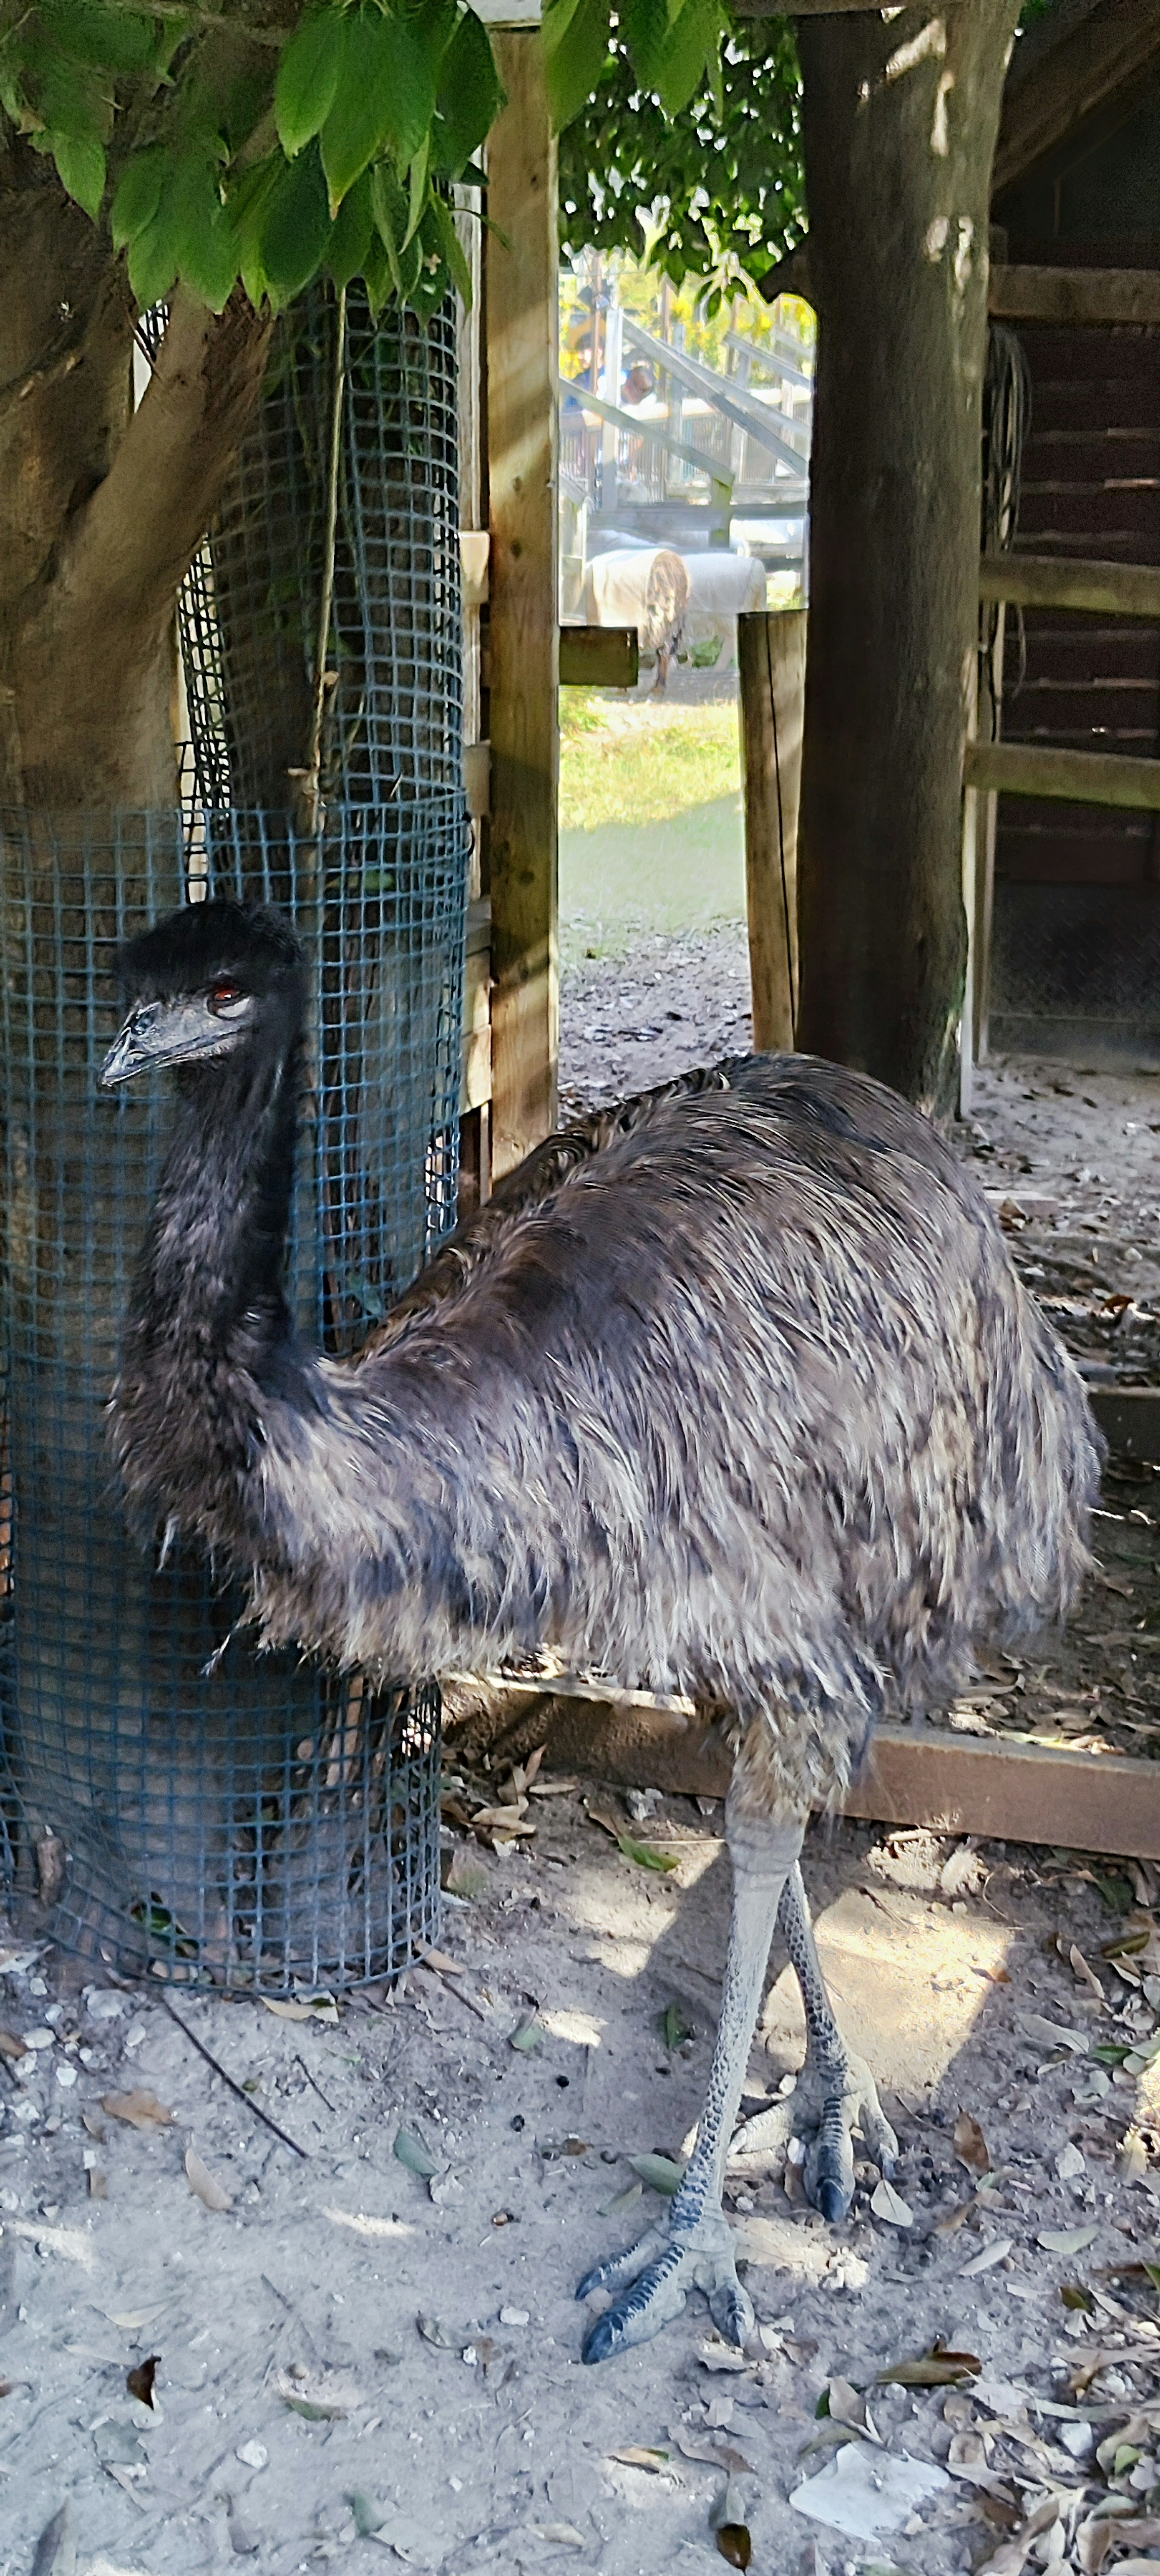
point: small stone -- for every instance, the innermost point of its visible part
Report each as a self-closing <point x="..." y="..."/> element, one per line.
<point x="39" y="2038"/>
<point x="102" y="2004"/>
<point x="1070" y="2163"/>
<point x="65" y="2075"/>
<point x="515" y="2316"/>
<point x="253" y="2455"/>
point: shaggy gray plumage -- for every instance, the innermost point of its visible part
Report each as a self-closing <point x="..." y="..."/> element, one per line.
<point x="733" y="1392"/>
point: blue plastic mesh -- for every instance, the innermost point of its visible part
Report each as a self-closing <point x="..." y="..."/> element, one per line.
<point x="256" y="1823"/>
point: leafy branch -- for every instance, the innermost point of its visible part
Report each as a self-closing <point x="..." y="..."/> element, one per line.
<point x="264" y="146"/>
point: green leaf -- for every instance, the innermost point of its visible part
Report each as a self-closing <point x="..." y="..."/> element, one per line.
<point x="645" y="26"/>
<point x="658" y="2173"/>
<point x="470" y="95"/>
<point x="412" y="2153"/>
<point x="80" y="161"/>
<point x="153" y="260"/>
<point x="385" y="94"/>
<point x="417" y="191"/>
<point x="110" y="39"/>
<point x="645" y="1856"/>
<point x="210" y="263"/>
<point x="308" y="77"/>
<point x="350" y="242"/>
<point x="527" y="2035"/>
<point x="296" y="234"/>
<point x="690" y="49"/>
<point x="389" y="209"/>
<point x="674" y="2027"/>
<point x="138" y="195"/>
<point x="575" y="40"/>
<point x="452" y="247"/>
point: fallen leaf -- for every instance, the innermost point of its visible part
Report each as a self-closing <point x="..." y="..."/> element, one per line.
<point x="991" y="2254"/>
<point x="564" y="2534"/>
<point x="635" y="2457"/>
<point x="1066" y="2240"/>
<point x="642" y="1853"/>
<point x="889" y="2205"/>
<point x="323" y="2397"/>
<point x="142" y="2110"/>
<point x="527" y="2036"/>
<point x="446" y="1966"/>
<point x="56" y="2549"/>
<point x="10" y="2045"/>
<point x="970" y="2144"/>
<point x="674" y="2027"/>
<point x="287" y="2012"/>
<point x="204" y="2184"/>
<point x="131" y="2320"/>
<point x="962" y="1873"/>
<point x="368" y="2516"/>
<point x="1085" y="1975"/>
<point x="658" y="2173"/>
<point x="938" y="2368"/>
<point x="412" y="2153"/>
<point x="139" y="2382"/>
<point x="1077" y="2298"/>
<point x="433" y="2332"/>
<point x="1051" y="2035"/>
<point x="624" y="2200"/>
<point x="734" y="2543"/>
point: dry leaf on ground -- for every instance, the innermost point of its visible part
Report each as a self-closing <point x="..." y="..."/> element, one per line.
<point x="142" y="2110"/>
<point x="889" y="2205"/>
<point x="635" y="2457"/>
<point x="970" y="2144"/>
<point x="204" y="2184"/>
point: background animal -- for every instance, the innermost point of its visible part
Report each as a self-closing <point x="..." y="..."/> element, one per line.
<point x="732" y="1391"/>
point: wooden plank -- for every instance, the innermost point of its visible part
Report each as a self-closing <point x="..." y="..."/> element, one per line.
<point x="915" y="1775"/>
<point x="475" y="1084"/>
<point x="1066" y="75"/>
<point x="521" y="259"/>
<point x="1087" y="295"/>
<point x="771" y="659"/>
<point x="599" y="657"/>
<point x="1045" y="581"/>
<point x="1084" y="777"/>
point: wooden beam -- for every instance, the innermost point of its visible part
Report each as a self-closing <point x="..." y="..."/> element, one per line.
<point x="1082" y="777"/>
<point x="1064" y="78"/>
<point x="521" y="375"/>
<point x="915" y="1775"/>
<point x="1042" y="581"/>
<point x="599" y="657"/>
<point x="771" y="659"/>
<point x="1075" y="295"/>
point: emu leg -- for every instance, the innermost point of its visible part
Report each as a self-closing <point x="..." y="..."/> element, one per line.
<point x="835" y="2093"/>
<point x="693" y="2247"/>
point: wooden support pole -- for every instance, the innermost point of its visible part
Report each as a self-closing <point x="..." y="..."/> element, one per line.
<point x="521" y="375"/>
<point x="1043" y="581"/>
<point x="1081" y="777"/>
<point x="771" y="661"/>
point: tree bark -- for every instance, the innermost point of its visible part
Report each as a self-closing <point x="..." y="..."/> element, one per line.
<point x="101" y="507"/>
<point x="900" y="122"/>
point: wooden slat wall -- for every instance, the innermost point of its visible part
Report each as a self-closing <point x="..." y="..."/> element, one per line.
<point x="1091" y="486"/>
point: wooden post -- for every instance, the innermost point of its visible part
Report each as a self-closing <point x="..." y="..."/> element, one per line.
<point x="521" y="376"/>
<point x="771" y="658"/>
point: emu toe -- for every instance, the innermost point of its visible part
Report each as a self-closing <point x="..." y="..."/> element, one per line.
<point x="828" y="2105"/>
<point x="654" y="2279"/>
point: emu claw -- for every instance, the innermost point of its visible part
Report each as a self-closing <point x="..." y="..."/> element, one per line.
<point x="654" y="2278"/>
<point x="827" y="2105"/>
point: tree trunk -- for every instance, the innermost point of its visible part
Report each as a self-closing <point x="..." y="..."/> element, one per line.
<point x="900" y="121"/>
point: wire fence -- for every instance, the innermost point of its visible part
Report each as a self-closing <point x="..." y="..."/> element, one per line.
<point x="165" y="1796"/>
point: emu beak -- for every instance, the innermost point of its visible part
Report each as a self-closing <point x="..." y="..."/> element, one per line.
<point x="160" y="1033"/>
<point x="131" y="1050"/>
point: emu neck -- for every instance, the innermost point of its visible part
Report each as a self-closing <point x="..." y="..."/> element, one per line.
<point x="212" y="1272"/>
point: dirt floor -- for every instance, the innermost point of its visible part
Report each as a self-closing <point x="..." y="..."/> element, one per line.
<point x="371" y="2354"/>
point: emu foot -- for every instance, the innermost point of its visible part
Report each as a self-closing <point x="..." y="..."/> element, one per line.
<point x="828" y="2104"/>
<point x="654" y="2279"/>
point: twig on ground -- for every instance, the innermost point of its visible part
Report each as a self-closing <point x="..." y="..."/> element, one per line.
<point x="312" y="2079"/>
<point x="239" y="2089"/>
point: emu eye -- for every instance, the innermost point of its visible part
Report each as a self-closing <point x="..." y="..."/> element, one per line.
<point x="226" y="999"/>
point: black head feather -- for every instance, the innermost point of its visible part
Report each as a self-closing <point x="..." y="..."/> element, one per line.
<point x="191" y="948"/>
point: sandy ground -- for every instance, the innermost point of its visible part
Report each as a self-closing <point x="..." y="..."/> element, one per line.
<point x="355" y="2348"/>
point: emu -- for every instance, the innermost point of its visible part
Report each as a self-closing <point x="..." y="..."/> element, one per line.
<point x="732" y="1392"/>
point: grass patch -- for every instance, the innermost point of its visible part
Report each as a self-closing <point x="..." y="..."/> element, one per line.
<point x="651" y="835"/>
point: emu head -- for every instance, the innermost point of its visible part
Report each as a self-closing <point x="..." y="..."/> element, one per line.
<point x="204" y="982"/>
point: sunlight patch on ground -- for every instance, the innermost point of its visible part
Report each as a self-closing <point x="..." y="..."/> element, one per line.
<point x="581" y="2029"/>
<point x="361" y="2225"/>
